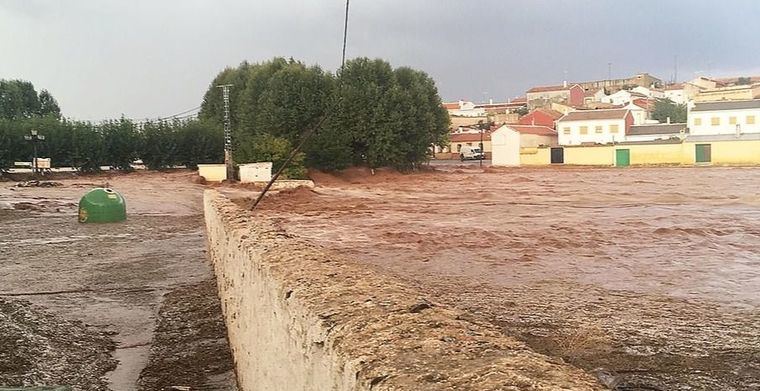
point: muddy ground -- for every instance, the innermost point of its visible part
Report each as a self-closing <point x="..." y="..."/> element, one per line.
<point x="128" y="299"/>
<point x="648" y="277"/>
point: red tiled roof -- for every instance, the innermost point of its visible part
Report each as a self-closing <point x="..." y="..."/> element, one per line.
<point x="533" y="129"/>
<point x="469" y="137"/>
<point x="585" y="115"/>
<point x="552" y="113"/>
<point x="521" y="99"/>
<point x="644" y="103"/>
<point x="451" y="106"/>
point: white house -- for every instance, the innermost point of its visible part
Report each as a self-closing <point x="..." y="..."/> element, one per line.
<point x="507" y="141"/>
<point x="639" y="110"/>
<point x="652" y="132"/>
<point x="594" y="126"/>
<point x="676" y="93"/>
<point x="648" y="92"/>
<point x="622" y="97"/>
<point x="464" y="109"/>
<point x="724" y="117"/>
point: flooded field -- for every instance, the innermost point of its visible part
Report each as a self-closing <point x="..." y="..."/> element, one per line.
<point x="122" y="306"/>
<point x="648" y="277"/>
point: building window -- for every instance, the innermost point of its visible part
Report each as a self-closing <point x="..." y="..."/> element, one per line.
<point x="750" y="120"/>
<point x="598" y="129"/>
<point x="613" y="128"/>
<point x="697" y="121"/>
<point x="469" y="144"/>
<point x="584" y="129"/>
<point x="566" y="130"/>
<point x="459" y="147"/>
<point x="732" y="120"/>
<point x="715" y="121"/>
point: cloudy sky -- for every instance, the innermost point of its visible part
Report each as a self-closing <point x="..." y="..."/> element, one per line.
<point x="154" y="58"/>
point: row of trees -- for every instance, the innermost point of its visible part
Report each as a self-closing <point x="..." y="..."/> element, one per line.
<point x="373" y="114"/>
<point x="116" y="143"/>
<point x="19" y="100"/>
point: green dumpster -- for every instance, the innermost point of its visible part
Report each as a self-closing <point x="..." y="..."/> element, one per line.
<point x="102" y="205"/>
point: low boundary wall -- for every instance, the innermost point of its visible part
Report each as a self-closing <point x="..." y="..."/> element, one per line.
<point x="300" y="317"/>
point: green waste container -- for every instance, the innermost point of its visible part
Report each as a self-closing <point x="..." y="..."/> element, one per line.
<point x="102" y="205"/>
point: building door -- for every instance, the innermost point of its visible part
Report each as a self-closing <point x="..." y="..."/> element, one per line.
<point x="703" y="153"/>
<point x="622" y="157"/>
<point x="557" y="155"/>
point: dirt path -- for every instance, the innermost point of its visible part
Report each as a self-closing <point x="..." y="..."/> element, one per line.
<point x="649" y="277"/>
<point x="111" y="277"/>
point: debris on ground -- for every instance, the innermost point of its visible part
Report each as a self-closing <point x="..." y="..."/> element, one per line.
<point x="39" y="184"/>
<point x="190" y="350"/>
<point x="41" y="349"/>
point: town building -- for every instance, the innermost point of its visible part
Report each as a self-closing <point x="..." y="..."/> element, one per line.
<point x="724" y="117"/>
<point x="594" y="126"/>
<point x="464" y="109"/>
<point x="542" y="117"/>
<point x="738" y="92"/>
<point x="509" y="142"/>
<point x="654" y="132"/>
<point x="470" y="137"/>
<point x="622" y="97"/>
<point x="570" y="94"/>
<point x="641" y="79"/>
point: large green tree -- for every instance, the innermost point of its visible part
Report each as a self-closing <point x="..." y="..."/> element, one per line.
<point x="374" y="114"/>
<point x="666" y="108"/>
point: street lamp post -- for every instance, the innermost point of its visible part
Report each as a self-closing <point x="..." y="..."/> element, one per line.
<point x="34" y="138"/>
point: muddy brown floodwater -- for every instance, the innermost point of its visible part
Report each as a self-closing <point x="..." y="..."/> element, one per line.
<point x="122" y="306"/>
<point x="648" y="277"/>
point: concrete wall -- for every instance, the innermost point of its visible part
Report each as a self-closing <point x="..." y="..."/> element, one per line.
<point x="535" y="156"/>
<point x="256" y="172"/>
<point x="653" y="154"/>
<point x="590" y="156"/>
<point x="305" y="318"/>
<point x="731" y="152"/>
<point x="213" y="172"/>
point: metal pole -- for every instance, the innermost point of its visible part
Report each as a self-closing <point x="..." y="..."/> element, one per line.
<point x="345" y="36"/>
<point x="307" y="134"/>
<point x="228" y="162"/>
<point x="482" y="147"/>
<point x="34" y="155"/>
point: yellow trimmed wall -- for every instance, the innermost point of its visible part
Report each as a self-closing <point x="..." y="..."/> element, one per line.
<point x="736" y="152"/>
<point x="590" y="156"/>
<point x="732" y="152"/>
<point x="535" y="156"/>
<point x="646" y="154"/>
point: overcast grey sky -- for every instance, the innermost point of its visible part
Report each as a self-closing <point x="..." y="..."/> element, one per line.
<point x="151" y="58"/>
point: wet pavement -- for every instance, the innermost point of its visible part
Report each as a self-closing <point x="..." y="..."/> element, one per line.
<point x="111" y="277"/>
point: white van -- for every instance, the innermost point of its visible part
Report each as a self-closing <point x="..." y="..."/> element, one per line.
<point x="471" y="153"/>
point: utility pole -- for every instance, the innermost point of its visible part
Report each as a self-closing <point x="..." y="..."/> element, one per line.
<point x="227" y="133"/>
<point x="34" y="137"/>
<point x="675" y="71"/>
<point x="609" y="72"/>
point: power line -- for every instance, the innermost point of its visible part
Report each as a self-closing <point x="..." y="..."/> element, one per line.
<point x="309" y="132"/>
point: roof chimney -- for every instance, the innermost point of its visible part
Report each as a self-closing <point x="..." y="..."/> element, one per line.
<point x="564" y="84"/>
<point x="490" y="101"/>
<point x="667" y="120"/>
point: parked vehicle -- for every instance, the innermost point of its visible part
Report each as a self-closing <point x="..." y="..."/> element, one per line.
<point x="471" y="153"/>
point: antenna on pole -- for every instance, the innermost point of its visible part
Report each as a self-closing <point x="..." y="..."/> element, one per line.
<point x="675" y="69"/>
<point x="227" y="132"/>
